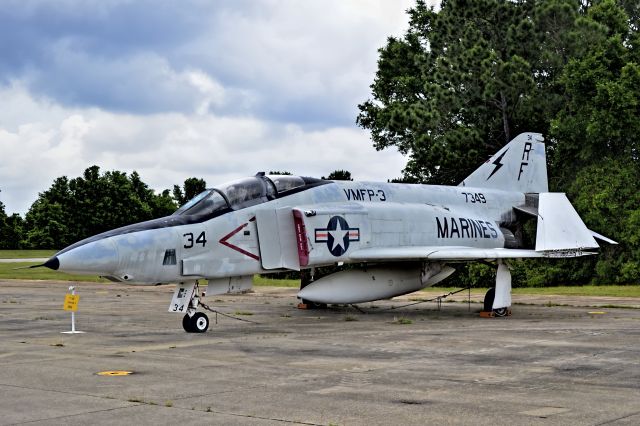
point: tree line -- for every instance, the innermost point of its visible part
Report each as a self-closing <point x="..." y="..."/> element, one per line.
<point x="74" y="209"/>
<point x="467" y="78"/>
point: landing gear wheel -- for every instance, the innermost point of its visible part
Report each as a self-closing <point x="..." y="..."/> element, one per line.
<point x="488" y="304"/>
<point x="188" y="324"/>
<point x="200" y="322"/>
<point x="501" y="312"/>
<point x="488" y="299"/>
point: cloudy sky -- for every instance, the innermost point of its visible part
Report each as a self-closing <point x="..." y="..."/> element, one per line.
<point x="174" y="89"/>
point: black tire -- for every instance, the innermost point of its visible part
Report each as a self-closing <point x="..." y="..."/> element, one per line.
<point x="501" y="312"/>
<point x="488" y="299"/>
<point x="200" y="322"/>
<point x="188" y="324"/>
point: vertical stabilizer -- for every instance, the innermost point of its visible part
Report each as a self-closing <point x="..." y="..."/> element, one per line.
<point x="521" y="165"/>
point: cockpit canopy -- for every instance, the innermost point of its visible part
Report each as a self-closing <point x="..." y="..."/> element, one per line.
<point x="243" y="193"/>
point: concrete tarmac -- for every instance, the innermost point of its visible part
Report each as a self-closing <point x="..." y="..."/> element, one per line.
<point x="413" y="365"/>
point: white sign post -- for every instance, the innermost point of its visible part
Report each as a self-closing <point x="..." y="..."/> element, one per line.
<point x="71" y="304"/>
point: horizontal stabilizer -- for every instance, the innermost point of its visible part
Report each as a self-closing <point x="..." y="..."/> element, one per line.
<point x="603" y="238"/>
<point x="560" y="226"/>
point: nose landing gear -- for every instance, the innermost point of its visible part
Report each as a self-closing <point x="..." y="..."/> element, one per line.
<point x="186" y="298"/>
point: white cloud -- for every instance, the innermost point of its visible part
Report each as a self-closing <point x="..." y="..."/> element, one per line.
<point x="311" y="61"/>
<point x="167" y="148"/>
<point x="178" y="89"/>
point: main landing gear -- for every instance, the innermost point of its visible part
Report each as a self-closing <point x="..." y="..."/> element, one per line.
<point x="186" y="298"/>
<point x="488" y="304"/>
<point x="497" y="300"/>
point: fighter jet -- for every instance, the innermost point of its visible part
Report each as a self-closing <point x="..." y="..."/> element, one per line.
<point x="396" y="238"/>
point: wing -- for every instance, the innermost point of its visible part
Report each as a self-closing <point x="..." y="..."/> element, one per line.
<point x="455" y="253"/>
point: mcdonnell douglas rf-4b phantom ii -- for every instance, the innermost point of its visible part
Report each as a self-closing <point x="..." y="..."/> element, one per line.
<point x="401" y="237"/>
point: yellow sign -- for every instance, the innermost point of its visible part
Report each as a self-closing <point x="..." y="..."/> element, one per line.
<point x="71" y="302"/>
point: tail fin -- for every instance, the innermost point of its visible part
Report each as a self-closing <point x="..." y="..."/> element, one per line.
<point x="521" y="165"/>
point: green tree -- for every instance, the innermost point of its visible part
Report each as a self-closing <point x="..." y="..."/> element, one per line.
<point x="607" y="197"/>
<point x="71" y="210"/>
<point x="11" y="228"/>
<point x="466" y="79"/>
<point x="595" y="158"/>
<point x="48" y="219"/>
<point x="48" y="226"/>
<point x="599" y="120"/>
<point x="162" y="204"/>
<point x="192" y="186"/>
<point x="338" y="175"/>
<point x="14" y="232"/>
<point x="3" y="224"/>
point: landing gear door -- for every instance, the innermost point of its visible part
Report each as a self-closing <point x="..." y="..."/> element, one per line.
<point x="277" y="239"/>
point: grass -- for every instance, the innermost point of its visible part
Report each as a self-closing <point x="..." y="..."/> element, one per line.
<point x="9" y="271"/>
<point x="269" y="282"/>
<point x="26" y="254"/>
<point x="585" y="290"/>
<point x="402" y="321"/>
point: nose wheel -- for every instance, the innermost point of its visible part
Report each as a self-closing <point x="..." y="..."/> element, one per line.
<point x="186" y="299"/>
<point x="198" y="323"/>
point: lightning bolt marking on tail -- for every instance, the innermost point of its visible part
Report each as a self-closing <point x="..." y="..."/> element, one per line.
<point x="498" y="164"/>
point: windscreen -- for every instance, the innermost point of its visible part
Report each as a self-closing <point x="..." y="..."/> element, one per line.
<point x="206" y="202"/>
<point x="239" y="194"/>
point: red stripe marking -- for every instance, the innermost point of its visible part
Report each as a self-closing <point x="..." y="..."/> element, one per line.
<point x="224" y="241"/>
<point x="301" y="238"/>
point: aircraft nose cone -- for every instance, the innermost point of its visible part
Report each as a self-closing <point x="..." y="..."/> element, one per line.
<point x="97" y="257"/>
<point x="52" y="263"/>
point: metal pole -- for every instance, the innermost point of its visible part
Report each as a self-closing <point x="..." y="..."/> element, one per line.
<point x="73" y="314"/>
